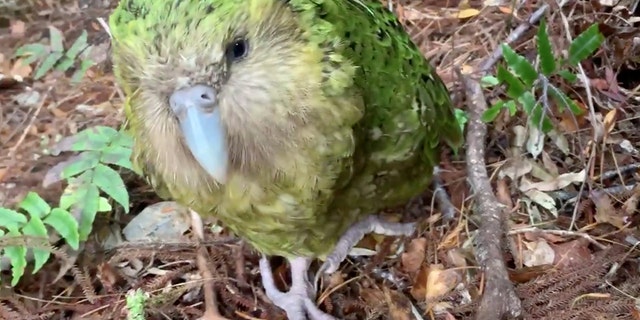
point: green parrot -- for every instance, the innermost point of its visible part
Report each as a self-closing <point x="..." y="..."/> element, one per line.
<point x="291" y="121"/>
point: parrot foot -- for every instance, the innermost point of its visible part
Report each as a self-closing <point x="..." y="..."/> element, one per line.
<point x="442" y="197"/>
<point x="297" y="302"/>
<point x="355" y="233"/>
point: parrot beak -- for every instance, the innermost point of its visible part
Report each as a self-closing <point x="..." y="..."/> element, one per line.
<point x="199" y="116"/>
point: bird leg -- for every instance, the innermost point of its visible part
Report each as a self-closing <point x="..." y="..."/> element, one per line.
<point x="375" y="224"/>
<point x="355" y="233"/>
<point x="298" y="301"/>
<point x="442" y="197"/>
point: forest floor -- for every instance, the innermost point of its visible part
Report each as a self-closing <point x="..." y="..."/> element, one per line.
<point x="570" y="204"/>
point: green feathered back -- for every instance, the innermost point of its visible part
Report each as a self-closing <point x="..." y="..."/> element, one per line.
<point x="374" y="80"/>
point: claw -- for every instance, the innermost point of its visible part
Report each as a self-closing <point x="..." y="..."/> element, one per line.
<point x="442" y="197"/>
<point x="298" y="302"/>
<point x="355" y="233"/>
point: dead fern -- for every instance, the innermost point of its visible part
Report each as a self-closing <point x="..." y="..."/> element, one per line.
<point x="232" y="296"/>
<point x="7" y="312"/>
<point x="557" y="293"/>
<point x="160" y="282"/>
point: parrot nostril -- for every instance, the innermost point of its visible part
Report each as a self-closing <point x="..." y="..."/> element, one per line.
<point x="205" y="96"/>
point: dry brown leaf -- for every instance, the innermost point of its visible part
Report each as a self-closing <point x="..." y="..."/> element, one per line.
<point x="414" y="15"/>
<point x="457" y="258"/>
<point x="467" y="69"/>
<point x="600" y="84"/>
<point x="373" y="297"/>
<point x="515" y="169"/>
<point x="542" y="199"/>
<point x="559" y="182"/>
<point x="537" y="253"/>
<point x="20" y="69"/>
<point x="452" y="238"/>
<point x="549" y="164"/>
<point x="419" y="289"/>
<point x="433" y="282"/>
<point x="413" y="258"/>
<point x="507" y="10"/>
<point x="17" y="28"/>
<point x="399" y="305"/>
<point x="526" y="274"/>
<point x="552" y="238"/>
<point x="467" y="13"/>
<point x="629" y="206"/>
<point x="572" y="253"/>
<point x="572" y="123"/>
<point x="606" y="212"/>
<point x="108" y="276"/>
<point x="441" y="282"/>
<point x="503" y="193"/>
<point x="610" y="121"/>
<point x="59" y="113"/>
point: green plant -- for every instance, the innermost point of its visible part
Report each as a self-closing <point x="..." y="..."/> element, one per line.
<point x="54" y="56"/>
<point x="524" y="82"/>
<point x="135" y="304"/>
<point x="87" y="174"/>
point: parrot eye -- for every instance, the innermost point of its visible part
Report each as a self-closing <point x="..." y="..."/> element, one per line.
<point x="237" y="49"/>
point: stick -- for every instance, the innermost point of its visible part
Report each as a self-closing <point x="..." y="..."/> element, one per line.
<point x="499" y="298"/>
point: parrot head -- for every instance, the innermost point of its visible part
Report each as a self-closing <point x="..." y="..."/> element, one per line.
<point x="224" y="83"/>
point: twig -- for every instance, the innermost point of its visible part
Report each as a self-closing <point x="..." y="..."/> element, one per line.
<point x="592" y="112"/>
<point x="564" y="233"/>
<point x="499" y="298"/>
<point x="211" y="306"/>
<point x="34" y="116"/>
<point x="573" y="196"/>
<point x="618" y="171"/>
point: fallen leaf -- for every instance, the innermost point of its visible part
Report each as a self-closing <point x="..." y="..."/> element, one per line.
<point x="537" y="253"/>
<point x="452" y="238"/>
<point x="467" y="13"/>
<point x="507" y="10"/>
<point x="570" y="122"/>
<point x="373" y="297"/>
<point x="542" y="199"/>
<point x="419" y="288"/>
<point x="520" y="136"/>
<point x="535" y="141"/>
<point x="515" y="169"/>
<point x="560" y="141"/>
<point x="17" y="28"/>
<point x="440" y="282"/>
<point x="610" y="121"/>
<point x="399" y="305"/>
<point x="629" y="206"/>
<point x="600" y="84"/>
<point x="503" y="193"/>
<point x="21" y="69"/>
<point x="549" y="164"/>
<point x="526" y="274"/>
<point x="412" y="14"/>
<point x="467" y="69"/>
<point x="571" y="254"/>
<point x="560" y="182"/>
<point x="456" y="257"/>
<point x="413" y="258"/>
<point x="606" y="212"/>
<point x="433" y="282"/>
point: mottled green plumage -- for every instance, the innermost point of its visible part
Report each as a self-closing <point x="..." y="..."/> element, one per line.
<point x="333" y="115"/>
